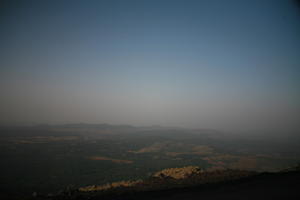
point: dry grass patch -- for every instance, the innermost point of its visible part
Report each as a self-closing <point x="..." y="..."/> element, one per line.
<point x="109" y="186"/>
<point x="178" y="173"/>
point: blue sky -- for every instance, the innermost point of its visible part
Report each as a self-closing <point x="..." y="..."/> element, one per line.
<point x="231" y="65"/>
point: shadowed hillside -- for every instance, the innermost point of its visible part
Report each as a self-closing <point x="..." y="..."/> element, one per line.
<point x="193" y="183"/>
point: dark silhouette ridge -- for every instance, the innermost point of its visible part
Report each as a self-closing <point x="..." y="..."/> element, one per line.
<point x="280" y="185"/>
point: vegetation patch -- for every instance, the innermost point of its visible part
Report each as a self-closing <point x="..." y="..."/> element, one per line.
<point x="110" y="159"/>
<point x="43" y="139"/>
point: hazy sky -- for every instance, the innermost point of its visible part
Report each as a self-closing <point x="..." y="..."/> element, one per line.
<point x="230" y="65"/>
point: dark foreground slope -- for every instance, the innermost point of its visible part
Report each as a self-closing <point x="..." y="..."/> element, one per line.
<point x="263" y="186"/>
<point x="283" y="185"/>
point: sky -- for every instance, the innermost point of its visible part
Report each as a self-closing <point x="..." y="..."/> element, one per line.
<point x="228" y="65"/>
